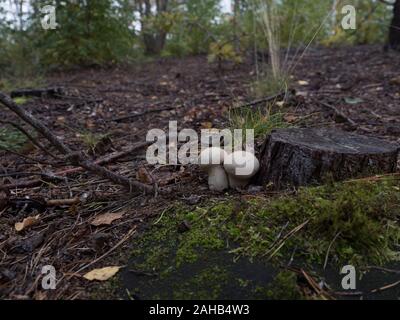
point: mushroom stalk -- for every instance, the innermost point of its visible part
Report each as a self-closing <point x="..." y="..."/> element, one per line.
<point x="217" y="179"/>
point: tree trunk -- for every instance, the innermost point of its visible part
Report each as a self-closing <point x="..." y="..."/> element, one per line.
<point x="394" y="32"/>
<point x="298" y="157"/>
<point x="154" y="40"/>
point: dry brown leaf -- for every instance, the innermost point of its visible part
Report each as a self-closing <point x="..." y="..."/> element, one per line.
<point x="106" y="218"/>
<point x="143" y="176"/>
<point x="102" y="274"/>
<point x="26" y="223"/>
<point x="290" y="118"/>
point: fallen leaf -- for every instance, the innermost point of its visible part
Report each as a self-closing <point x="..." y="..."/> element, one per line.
<point x="350" y="100"/>
<point x="301" y="93"/>
<point x="395" y="80"/>
<point x="143" y="176"/>
<point x="106" y="219"/>
<point x="61" y="119"/>
<point x="290" y="118"/>
<point x="302" y="82"/>
<point x="26" y="223"/>
<point x="102" y="274"/>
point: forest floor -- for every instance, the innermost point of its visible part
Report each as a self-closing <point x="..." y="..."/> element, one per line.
<point x="105" y="111"/>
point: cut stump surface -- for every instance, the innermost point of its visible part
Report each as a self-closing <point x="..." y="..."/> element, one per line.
<point x="299" y="157"/>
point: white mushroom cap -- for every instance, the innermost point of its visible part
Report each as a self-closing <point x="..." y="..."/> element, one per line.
<point x="241" y="165"/>
<point x="211" y="157"/>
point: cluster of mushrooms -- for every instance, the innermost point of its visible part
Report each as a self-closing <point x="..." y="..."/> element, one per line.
<point x="228" y="170"/>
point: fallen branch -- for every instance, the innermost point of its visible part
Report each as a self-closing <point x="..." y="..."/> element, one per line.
<point x="75" y="158"/>
<point x="40" y="92"/>
<point x="338" y="115"/>
<point x="62" y="202"/>
<point x="29" y="136"/>
<point x="102" y="161"/>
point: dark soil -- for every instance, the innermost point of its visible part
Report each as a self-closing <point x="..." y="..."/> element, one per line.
<point x="362" y="83"/>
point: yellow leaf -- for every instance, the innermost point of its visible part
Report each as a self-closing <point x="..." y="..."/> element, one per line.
<point x="302" y="82"/>
<point x="102" y="274"/>
<point x="26" y="223"/>
<point x="280" y="103"/>
<point x="106" y="219"/>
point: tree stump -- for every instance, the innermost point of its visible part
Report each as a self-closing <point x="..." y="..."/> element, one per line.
<point x="300" y="157"/>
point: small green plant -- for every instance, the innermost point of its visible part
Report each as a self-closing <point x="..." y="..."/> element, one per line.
<point x="263" y="122"/>
<point x="11" y="139"/>
<point x="267" y="84"/>
<point x="94" y="141"/>
<point x="284" y="287"/>
<point x="21" y="100"/>
<point x="220" y="52"/>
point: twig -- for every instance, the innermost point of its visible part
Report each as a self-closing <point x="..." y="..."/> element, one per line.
<point x="62" y="202"/>
<point x="329" y="248"/>
<point x="105" y="160"/>
<point x="340" y="116"/>
<point x="139" y="114"/>
<point x="36" y="92"/>
<point x="386" y="287"/>
<point x="25" y="157"/>
<point x="75" y="158"/>
<point x="127" y="236"/>
<point x="313" y="284"/>
<point x="382" y="269"/>
<point x="287" y="236"/>
<point x="28" y="135"/>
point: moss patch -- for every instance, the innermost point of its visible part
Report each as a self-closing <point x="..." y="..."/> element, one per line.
<point x="231" y="248"/>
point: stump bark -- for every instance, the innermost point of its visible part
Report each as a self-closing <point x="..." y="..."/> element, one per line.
<point x="299" y="157"/>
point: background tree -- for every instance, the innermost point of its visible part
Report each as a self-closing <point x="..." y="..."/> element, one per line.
<point x="394" y="31"/>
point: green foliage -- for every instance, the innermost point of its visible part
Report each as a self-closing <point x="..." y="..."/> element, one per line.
<point x="220" y="52"/>
<point x="105" y="31"/>
<point x="284" y="287"/>
<point x="196" y="28"/>
<point x="89" y="32"/>
<point x="262" y="121"/>
<point x="267" y="84"/>
<point x="11" y="139"/>
<point x="373" y="19"/>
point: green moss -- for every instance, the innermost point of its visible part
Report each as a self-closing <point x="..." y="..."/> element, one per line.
<point x="352" y="222"/>
<point x="361" y="218"/>
<point x="284" y="287"/>
<point x="21" y="100"/>
<point x="207" y="284"/>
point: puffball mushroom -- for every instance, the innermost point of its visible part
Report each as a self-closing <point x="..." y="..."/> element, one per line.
<point x="240" y="167"/>
<point x="211" y="160"/>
